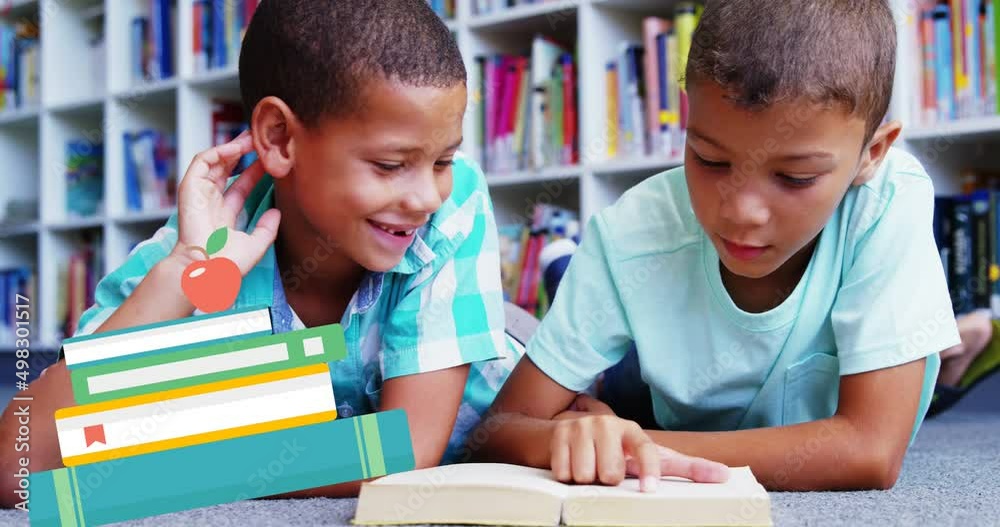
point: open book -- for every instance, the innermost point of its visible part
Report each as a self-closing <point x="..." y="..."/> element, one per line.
<point x="499" y="494"/>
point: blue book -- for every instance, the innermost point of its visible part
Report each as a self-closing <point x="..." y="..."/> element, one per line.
<point x="663" y="65"/>
<point x="945" y="73"/>
<point x="165" y="37"/>
<point x="962" y="256"/>
<point x="237" y="469"/>
<point x="140" y="27"/>
<point x="220" y="49"/>
<point x="972" y="58"/>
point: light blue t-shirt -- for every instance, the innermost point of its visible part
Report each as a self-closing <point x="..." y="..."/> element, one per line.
<point x="873" y="296"/>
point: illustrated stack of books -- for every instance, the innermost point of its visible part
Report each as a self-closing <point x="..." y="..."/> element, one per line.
<point x="206" y="410"/>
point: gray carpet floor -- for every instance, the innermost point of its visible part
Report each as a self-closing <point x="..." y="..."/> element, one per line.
<point x="951" y="477"/>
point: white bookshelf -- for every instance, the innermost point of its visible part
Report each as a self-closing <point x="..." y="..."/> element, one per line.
<point x="76" y="103"/>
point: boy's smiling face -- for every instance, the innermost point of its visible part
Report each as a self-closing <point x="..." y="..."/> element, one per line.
<point x="763" y="184"/>
<point x="366" y="182"/>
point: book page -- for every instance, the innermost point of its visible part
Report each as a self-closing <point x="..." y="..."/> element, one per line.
<point x="481" y="475"/>
<point x="741" y="484"/>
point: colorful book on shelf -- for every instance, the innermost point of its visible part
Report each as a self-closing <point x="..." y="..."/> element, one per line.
<point x="218" y="27"/>
<point x="19" y="66"/>
<point x="78" y="278"/>
<point x="652" y="27"/>
<point x="501" y="494"/>
<point x="225" y="471"/>
<point x="84" y="178"/>
<point x="194" y="364"/>
<point x="150" y="170"/>
<point x="122" y="344"/>
<point x="203" y="413"/>
<point x="18" y="287"/>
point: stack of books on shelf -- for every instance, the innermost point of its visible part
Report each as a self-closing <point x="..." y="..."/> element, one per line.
<point x="486" y="7"/>
<point x="444" y="8"/>
<point x="527" y="111"/>
<point x="521" y="246"/>
<point x="19" y="66"/>
<point x="78" y="277"/>
<point x="153" y="38"/>
<point x="18" y="287"/>
<point x="150" y="170"/>
<point x="646" y="98"/>
<point x="84" y="178"/>
<point x="202" y="411"/>
<point x="219" y="26"/>
<point x="956" y="54"/>
<point x="967" y="230"/>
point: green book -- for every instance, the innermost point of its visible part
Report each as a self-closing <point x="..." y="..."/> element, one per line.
<point x="202" y="363"/>
<point x="248" y="467"/>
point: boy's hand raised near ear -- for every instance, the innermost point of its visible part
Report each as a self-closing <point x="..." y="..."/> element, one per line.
<point x="590" y="444"/>
<point x="204" y="204"/>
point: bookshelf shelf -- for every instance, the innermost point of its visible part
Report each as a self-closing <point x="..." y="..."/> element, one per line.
<point x="8" y="232"/>
<point x="223" y="77"/>
<point x="153" y="216"/>
<point x="647" y="164"/>
<point x="550" y="13"/>
<point x="148" y="89"/>
<point x="83" y="106"/>
<point x="963" y="128"/>
<point x="533" y="177"/>
<point x="19" y="116"/>
<point x="76" y="224"/>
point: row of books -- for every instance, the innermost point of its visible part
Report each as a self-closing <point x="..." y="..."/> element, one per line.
<point x="84" y="178"/>
<point x="444" y="8"/>
<point x="957" y="60"/>
<point x="78" y="277"/>
<point x="646" y="98"/>
<point x="521" y="246"/>
<point x="153" y="38"/>
<point x="150" y="170"/>
<point x="210" y="395"/>
<point x="967" y="231"/>
<point x="527" y="116"/>
<point x="19" y="66"/>
<point x="18" y="295"/>
<point x="219" y="26"/>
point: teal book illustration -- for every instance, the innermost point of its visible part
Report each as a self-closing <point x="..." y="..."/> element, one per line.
<point x="124" y="344"/>
<point x="236" y="469"/>
<point x="197" y="364"/>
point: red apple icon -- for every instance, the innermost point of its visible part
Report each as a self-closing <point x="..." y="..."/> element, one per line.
<point x="213" y="284"/>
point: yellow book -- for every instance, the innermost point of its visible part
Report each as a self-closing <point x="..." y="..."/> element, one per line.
<point x="611" y="76"/>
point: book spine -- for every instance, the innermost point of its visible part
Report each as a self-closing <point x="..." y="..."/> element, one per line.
<point x="944" y="69"/>
<point x="927" y="44"/>
<point x="151" y="372"/>
<point x="980" y="285"/>
<point x="611" y="86"/>
<point x="961" y="256"/>
<point x="223" y="472"/>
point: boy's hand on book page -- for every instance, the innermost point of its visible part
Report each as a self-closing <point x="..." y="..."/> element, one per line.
<point x="205" y="204"/>
<point x="601" y="448"/>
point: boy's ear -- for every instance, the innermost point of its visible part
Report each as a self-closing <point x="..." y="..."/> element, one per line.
<point x="876" y="150"/>
<point x="273" y="124"/>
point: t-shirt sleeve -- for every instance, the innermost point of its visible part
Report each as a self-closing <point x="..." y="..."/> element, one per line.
<point x="586" y="331"/>
<point x="452" y="311"/>
<point x="893" y="306"/>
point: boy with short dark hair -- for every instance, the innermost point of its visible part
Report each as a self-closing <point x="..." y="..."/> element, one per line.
<point x="782" y="289"/>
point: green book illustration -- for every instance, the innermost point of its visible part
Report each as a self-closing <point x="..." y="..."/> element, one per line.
<point x="198" y="364"/>
<point x="248" y="467"/>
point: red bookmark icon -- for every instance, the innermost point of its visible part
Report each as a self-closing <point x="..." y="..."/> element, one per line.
<point x="94" y="434"/>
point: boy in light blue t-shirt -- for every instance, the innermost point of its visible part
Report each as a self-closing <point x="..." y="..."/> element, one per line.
<point x="782" y="290"/>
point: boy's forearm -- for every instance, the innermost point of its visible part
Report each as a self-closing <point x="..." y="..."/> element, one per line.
<point x="829" y="454"/>
<point x="157" y="298"/>
<point x="513" y="438"/>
